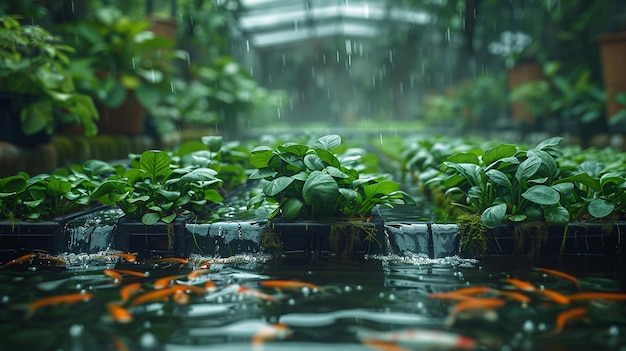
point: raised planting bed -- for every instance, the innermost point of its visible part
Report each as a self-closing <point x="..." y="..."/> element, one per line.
<point x="148" y="241"/>
<point x="224" y="238"/>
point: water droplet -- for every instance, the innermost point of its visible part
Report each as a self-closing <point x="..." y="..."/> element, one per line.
<point x="613" y="330"/>
<point x="347" y="288"/>
<point x="291" y="302"/>
<point x="76" y="330"/>
<point x="528" y="326"/>
<point x="148" y="341"/>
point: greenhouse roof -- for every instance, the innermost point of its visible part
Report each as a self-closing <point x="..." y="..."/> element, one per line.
<point x="278" y="23"/>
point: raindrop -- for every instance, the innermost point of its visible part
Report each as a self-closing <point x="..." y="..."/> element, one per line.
<point x="390" y="56"/>
<point x="248" y="45"/>
<point x="401" y="88"/>
<point x="613" y="330"/>
<point x="528" y="326"/>
<point x="73" y="9"/>
<point x="148" y="341"/>
<point x="381" y="138"/>
<point x="349" y="60"/>
<point x="337" y="56"/>
<point x="291" y="302"/>
<point x="278" y="111"/>
<point x="76" y="330"/>
<point x="172" y="87"/>
<point x="132" y="60"/>
<point x="347" y="288"/>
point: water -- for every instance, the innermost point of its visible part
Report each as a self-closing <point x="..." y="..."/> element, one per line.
<point x="347" y="304"/>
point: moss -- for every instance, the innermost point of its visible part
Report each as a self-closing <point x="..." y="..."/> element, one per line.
<point x="270" y="243"/>
<point x="472" y="234"/>
<point x="529" y="237"/>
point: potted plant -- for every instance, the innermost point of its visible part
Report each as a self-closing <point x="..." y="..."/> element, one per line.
<point x="311" y="186"/>
<point x="37" y="90"/>
<point x="123" y="65"/>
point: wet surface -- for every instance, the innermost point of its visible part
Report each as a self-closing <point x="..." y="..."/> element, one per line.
<point x="252" y="302"/>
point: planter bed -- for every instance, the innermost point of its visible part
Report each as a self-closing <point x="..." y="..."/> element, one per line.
<point x="323" y="239"/>
<point x="224" y="238"/>
<point x="148" y="241"/>
<point x="581" y="238"/>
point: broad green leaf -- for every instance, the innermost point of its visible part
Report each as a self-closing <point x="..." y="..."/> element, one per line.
<point x="528" y="168"/>
<point x="277" y="185"/>
<point x="335" y="172"/>
<point x="584" y="179"/>
<point x="296" y="149"/>
<point x="295" y="160"/>
<point x="382" y="188"/>
<point x="600" y="208"/>
<point x="57" y="187"/>
<point x="260" y="156"/>
<point x="517" y="218"/>
<point x="493" y="215"/>
<point x="169" y="218"/>
<point x="499" y="178"/>
<point x="612" y="177"/>
<point x="292" y="208"/>
<point x="470" y="171"/>
<point x="169" y="195"/>
<point x="557" y="215"/>
<point x="348" y="194"/>
<point x="320" y="187"/>
<point x="328" y="158"/>
<point x="563" y="188"/>
<point x="463" y="157"/>
<point x="13" y="184"/>
<point x="156" y="164"/>
<point x="313" y="162"/>
<point x="97" y="167"/>
<point x="554" y="141"/>
<point x="190" y="147"/>
<point x="542" y="195"/>
<point x="212" y="142"/>
<point x="327" y="142"/>
<point x="150" y="218"/>
<point x="143" y="198"/>
<point x="263" y="173"/>
<point x="498" y="153"/>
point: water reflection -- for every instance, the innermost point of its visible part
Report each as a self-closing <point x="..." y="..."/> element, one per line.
<point x="251" y="302"/>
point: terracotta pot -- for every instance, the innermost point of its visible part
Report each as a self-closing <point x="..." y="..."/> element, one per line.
<point x="613" y="53"/>
<point x="126" y="119"/>
<point x="523" y="72"/>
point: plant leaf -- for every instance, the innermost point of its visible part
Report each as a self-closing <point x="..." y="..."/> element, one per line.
<point x="277" y="185"/>
<point x="320" y="187"/>
<point x="557" y="215"/>
<point x="492" y="216"/>
<point x="542" y="195"/>
<point x="600" y="208"/>
<point x="328" y="142"/>
<point x="292" y="208"/>
<point x="156" y="164"/>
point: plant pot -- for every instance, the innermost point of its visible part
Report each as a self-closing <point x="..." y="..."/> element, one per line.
<point x="11" y="124"/>
<point x="347" y="238"/>
<point x="613" y="54"/>
<point x="126" y="119"/>
<point x="523" y="72"/>
<point x="224" y="239"/>
<point x="157" y="240"/>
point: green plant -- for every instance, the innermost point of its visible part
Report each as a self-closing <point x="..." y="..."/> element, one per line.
<point x="153" y="189"/>
<point x="117" y="54"/>
<point x="34" y="67"/>
<point x="507" y="183"/>
<point x="310" y="182"/>
<point x="45" y="196"/>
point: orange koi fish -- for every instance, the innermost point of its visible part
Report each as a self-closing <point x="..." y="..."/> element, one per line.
<point x="20" y="259"/>
<point x="559" y="274"/>
<point x="197" y="273"/>
<point x="520" y="284"/>
<point x="133" y="273"/>
<point x="245" y="291"/>
<point x="210" y="286"/>
<point x="57" y="300"/>
<point x="477" y="304"/>
<point x="117" y="278"/>
<point x="384" y="345"/>
<point x="289" y="285"/>
<point x="463" y="293"/>
<point x="164" y="294"/>
<point x="126" y="256"/>
<point x="514" y="295"/>
<point x="169" y="260"/>
<point x="166" y="281"/>
<point x="119" y="313"/>
<point x="269" y="332"/>
<point x="180" y="297"/>
<point x="130" y="290"/>
<point x="589" y="295"/>
<point x="555" y="296"/>
<point x="567" y="316"/>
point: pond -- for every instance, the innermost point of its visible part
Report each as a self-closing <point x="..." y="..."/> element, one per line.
<point x="104" y="301"/>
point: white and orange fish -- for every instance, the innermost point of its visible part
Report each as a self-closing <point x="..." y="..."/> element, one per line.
<point x="415" y="339"/>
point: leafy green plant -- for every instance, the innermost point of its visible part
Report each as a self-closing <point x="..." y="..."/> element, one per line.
<point x="46" y="196"/>
<point x="310" y="182"/>
<point x="153" y="189"/>
<point x="34" y="72"/>
<point x="507" y="183"/>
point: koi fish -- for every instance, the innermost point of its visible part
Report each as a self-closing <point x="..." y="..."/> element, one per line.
<point x="166" y="281"/>
<point x="133" y="273"/>
<point x="384" y="346"/>
<point x="289" y="285"/>
<point x="275" y="331"/>
<point x="567" y="316"/>
<point x="119" y="313"/>
<point x="520" y="284"/>
<point x="416" y="338"/>
<point x="197" y="273"/>
<point x="125" y="256"/>
<point x="477" y="304"/>
<point x="169" y="260"/>
<point x="517" y="296"/>
<point x="20" y="259"/>
<point x="130" y="290"/>
<point x="555" y="296"/>
<point x="117" y="278"/>
<point x="165" y="294"/>
<point x="245" y="291"/>
<point x="210" y="286"/>
<point x="597" y="296"/>
<point x="559" y="274"/>
<point x="57" y="300"/>
<point x="180" y="297"/>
